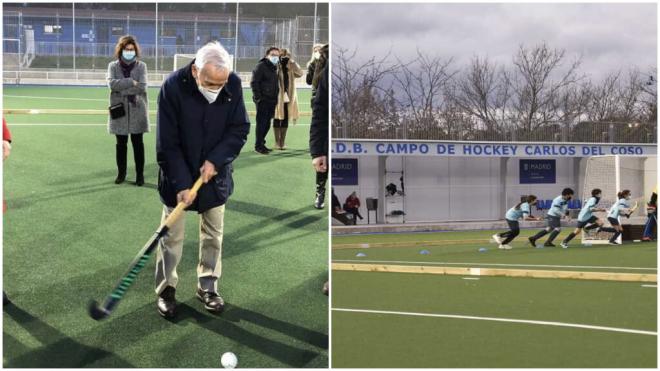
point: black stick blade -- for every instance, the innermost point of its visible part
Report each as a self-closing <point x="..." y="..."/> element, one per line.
<point x="96" y="312"/>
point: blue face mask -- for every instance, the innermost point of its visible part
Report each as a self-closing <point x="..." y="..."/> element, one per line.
<point x="128" y="55"/>
<point x="274" y="59"/>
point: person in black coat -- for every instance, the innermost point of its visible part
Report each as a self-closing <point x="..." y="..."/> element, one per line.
<point x="265" y="90"/>
<point x="311" y="68"/>
<point x="202" y="126"/>
<point x="318" y="132"/>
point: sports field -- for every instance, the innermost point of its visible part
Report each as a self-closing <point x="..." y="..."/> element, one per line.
<point x="391" y="319"/>
<point x="70" y="233"/>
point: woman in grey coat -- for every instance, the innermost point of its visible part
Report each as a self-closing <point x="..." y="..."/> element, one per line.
<point x="127" y="79"/>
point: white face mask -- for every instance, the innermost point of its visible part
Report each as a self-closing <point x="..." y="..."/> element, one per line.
<point x="317" y="55"/>
<point x="210" y="95"/>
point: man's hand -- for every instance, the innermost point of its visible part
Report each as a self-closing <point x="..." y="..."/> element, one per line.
<point x="186" y="196"/>
<point x="208" y="171"/>
<point x="320" y="164"/>
<point x="6" y="149"/>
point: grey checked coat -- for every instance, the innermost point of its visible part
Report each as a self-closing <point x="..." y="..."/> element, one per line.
<point x="136" y="120"/>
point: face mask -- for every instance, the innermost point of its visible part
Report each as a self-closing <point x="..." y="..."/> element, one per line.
<point x="597" y="198"/>
<point x="628" y="197"/>
<point x="317" y="55"/>
<point x="210" y="95"/>
<point x="128" y="54"/>
<point x="274" y="59"/>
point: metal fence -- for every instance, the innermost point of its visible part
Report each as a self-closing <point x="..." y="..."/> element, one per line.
<point x="72" y="40"/>
<point x="582" y="132"/>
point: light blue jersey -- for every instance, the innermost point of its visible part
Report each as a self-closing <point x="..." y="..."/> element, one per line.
<point x="615" y="210"/>
<point x="587" y="210"/>
<point x="559" y="207"/>
<point x="514" y="214"/>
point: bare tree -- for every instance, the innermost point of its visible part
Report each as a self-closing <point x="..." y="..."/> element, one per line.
<point x="359" y="99"/>
<point x="483" y="92"/>
<point x="538" y="84"/>
<point x="421" y="84"/>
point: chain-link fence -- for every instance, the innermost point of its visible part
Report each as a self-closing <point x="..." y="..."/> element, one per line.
<point x="583" y="132"/>
<point x="62" y="43"/>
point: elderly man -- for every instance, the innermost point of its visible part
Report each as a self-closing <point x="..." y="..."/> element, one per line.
<point x="202" y="126"/>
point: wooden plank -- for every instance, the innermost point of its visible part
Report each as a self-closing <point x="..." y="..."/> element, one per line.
<point x="576" y="275"/>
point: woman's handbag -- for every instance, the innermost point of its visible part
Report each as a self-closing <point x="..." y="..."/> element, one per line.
<point x="117" y="111"/>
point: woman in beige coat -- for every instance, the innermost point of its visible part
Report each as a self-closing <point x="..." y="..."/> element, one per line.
<point x="287" y="100"/>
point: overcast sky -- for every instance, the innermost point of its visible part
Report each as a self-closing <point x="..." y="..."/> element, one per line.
<point x="608" y="36"/>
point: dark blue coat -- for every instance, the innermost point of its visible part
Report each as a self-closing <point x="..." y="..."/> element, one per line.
<point x="190" y="131"/>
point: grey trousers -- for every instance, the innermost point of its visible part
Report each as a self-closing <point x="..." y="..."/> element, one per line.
<point x="170" y="249"/>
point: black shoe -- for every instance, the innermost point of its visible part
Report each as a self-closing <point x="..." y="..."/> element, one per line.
<point x="212" y="301"/>
<point x="5" y="299"/>
<point x="614" y="243"/>
<point x="167" y="302"/>
<point x="261" y="151"/>
<point x="139" y="180"/>
<point x="532" y="241"/>
<point x="319" y="202"/>
<point x="120" y="178"/>
<point x="269" y="150"/>
<point x="549" y="244"/>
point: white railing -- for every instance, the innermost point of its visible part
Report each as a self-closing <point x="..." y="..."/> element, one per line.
<point x="44" y="76"/>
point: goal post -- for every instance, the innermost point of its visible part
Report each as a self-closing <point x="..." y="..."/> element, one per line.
<point x="613" y="174"/>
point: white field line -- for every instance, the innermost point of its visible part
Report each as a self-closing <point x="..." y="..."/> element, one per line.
<point x="92" y="125"/>
<point x="91" y="99"/>
<point x="649" y="285"/>
<point x="471" y="278"/>
<point x="58" y="98"/>
<point x="495" y="319"/>
<point x="492" y="264"/>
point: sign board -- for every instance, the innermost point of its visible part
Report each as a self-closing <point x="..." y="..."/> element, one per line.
<point x="486" y="149"/>
<point x="344" y="171"/>
<point x="538" y="171"/>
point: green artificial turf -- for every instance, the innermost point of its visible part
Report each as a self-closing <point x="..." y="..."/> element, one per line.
<point x="636" y="255"/>
<point x="386" y="340"/>
<point x="70" y="233"/>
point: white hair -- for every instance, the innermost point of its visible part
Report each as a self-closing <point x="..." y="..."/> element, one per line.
<point x="213" y="53"/>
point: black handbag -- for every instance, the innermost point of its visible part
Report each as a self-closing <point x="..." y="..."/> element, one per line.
<point x="117" y="111"/>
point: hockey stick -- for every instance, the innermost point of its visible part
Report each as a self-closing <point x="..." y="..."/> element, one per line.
<point x="98" y="312"/>
<point x="632" y="209"/>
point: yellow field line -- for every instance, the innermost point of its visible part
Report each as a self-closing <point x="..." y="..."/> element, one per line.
<point x="601" y="276"/>
<point x="56" y="111"/>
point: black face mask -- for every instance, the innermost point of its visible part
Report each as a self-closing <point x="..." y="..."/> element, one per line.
<point x="597" y="199"/>
<point x="285" y="60"/>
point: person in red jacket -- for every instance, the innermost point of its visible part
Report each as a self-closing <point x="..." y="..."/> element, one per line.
<point x="6" y="149"/>
<point x="352" y="206"/>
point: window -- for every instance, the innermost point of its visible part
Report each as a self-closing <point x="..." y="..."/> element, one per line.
<point x="117" y="31"/>
<point x="52" y="29"/>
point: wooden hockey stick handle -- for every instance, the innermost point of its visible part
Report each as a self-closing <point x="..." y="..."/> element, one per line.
<point x="181" y="206"/>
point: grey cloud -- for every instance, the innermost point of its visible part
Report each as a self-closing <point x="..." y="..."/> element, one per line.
<point x="608" y="36"/>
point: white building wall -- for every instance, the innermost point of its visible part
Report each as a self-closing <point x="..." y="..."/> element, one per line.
<point x="464" y="188"/>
